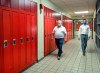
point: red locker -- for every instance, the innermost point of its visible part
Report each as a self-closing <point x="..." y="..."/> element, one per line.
<point x="17" y="34"/>
<point x="46" y="35"/>
<point x="46" y="45"/>
<point x="52" y="43"/>
<point x="7" y="50"/>
<point x="50" y="36"/>
<point x="0" y="58"/>
<point x="22" y="41"/>
<point x="49" y="44"/>
<point x="34" y="39"/>
<point x="1" y="41"/>
<point x="15" y="40"/>
<point x="28" y="38"/>
<point x="68" y="35"/>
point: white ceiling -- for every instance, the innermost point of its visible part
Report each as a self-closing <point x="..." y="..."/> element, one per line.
<point x="71" y="6"/>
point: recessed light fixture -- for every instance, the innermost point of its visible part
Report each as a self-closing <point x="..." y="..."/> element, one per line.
<point x="81" y="12"/>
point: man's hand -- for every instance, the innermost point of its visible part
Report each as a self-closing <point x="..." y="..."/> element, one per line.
<point x="78" y="38"/>
<point x="52" y="38"/>
<point x="65" y="40"/>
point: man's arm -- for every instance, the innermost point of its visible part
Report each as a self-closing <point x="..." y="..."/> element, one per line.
<point x="65" y="35"/>
<point x="53" y="33"/>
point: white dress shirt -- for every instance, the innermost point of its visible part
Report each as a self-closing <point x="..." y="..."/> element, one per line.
<point x="84" y="29"/>
<point x="59" y="32"/>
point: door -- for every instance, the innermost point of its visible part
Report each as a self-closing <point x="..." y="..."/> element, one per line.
<point x="22" y="40"/>
<point x="1" y="40"/>
<point x="28" y="38"/>
<point x="15" y="41"/>
<point x="34" y="38"/>
<point x="7" y="50"/>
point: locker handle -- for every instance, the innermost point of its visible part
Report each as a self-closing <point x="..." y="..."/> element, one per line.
<point x="14" y="42"/>
<point x="5" y="43"/>
<point x="21" y="40"/>
<point x="32" y="38"/>
<point x="27" y="39"/>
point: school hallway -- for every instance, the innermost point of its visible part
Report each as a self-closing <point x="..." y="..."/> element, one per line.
<point x="32" y="30"/>
<point x="72" y="60"/>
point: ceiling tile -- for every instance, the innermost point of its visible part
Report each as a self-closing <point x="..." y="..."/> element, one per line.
<point x="70" y="6"/>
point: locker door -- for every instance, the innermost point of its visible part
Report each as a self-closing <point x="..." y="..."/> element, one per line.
<point x="51" y="29"/>
<point x="7" y="50"/>
<point x="45" y="36"/>
<point x="34" y="38"/>
<point x="28" y="43"/>
<point x="48" y="31"/>
<point x="0" y="58"/>
<point x="22" y="40"/>
<point x="1" y="40"/>
<point x="15" y="40"/>
<point x="46" y="45"/>
<point x="48" y="28"/>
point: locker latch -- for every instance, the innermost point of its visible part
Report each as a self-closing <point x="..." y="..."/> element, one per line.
<point x="27" y="39"/>
<point x="5" y="43"/>
<point x="32" y="38"/>
<point x="21" y="40"/>
<point x="14" y="41"/>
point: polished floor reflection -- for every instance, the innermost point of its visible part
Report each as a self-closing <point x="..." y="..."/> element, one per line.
<point x="72" y="60"/>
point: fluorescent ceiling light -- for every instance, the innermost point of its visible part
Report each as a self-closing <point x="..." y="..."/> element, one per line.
<point x="56" y="14"/>
<point x="81" y="12"/>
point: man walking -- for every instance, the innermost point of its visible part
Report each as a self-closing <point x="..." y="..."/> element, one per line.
<point x="59" y="32"/>
<point x="84" y="34"/>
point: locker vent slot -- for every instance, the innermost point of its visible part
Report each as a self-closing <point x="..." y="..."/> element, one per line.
<point x="32" y="38"/>
<point x="21" y="40"/>
<point x="14" y="41"/>
<point x="27" y="39"/>
<point x="5" y="43"/>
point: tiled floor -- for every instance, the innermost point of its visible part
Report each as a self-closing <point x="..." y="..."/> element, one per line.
<point x="72" y="60"/>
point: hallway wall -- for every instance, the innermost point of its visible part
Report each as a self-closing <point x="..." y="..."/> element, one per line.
<point x="94" y="16"/>
<point x="97" y="26"/>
